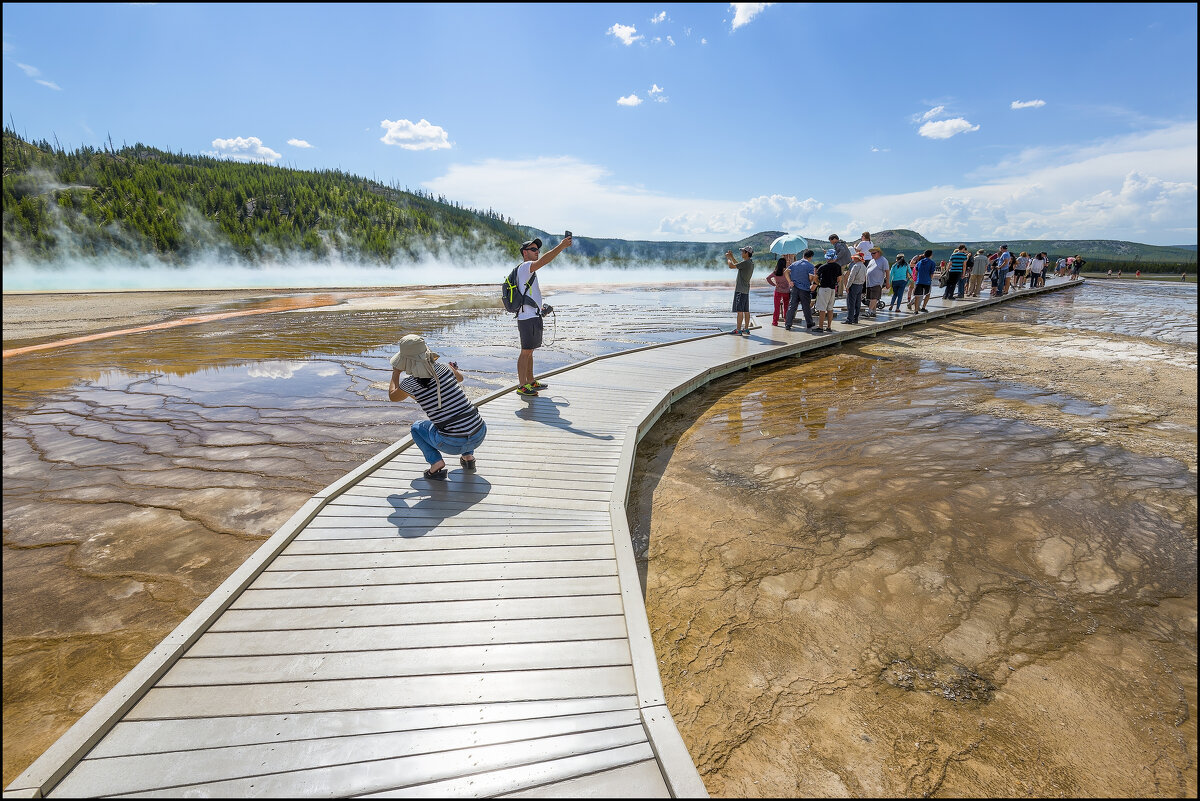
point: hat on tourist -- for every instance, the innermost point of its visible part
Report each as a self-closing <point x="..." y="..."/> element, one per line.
<point x="858" y="256"/>
<point x="414" y="357"/>
<point x="749" y="251"/>
<point x="831" y="254"/>
<point x="980" y="252"/>
<point x="875" y="250"/>
<point x="899" y="255"/>
<point x="532" y="243"/>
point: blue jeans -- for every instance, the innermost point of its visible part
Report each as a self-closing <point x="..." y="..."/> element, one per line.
<point x="962" y="286"/>
<point x="433" y="442"/>
<point x="853" y="306"/>
<point x="953" y="279"/>
<point x="898" y="288"/>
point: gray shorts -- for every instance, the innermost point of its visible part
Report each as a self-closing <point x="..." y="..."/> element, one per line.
<point x="825" y="299"/>
<point x="531" y="333"/>
<point x="741" y="302"/>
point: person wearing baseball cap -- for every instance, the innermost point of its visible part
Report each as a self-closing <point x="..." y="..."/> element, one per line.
<point x="741" y="288"/>
<point x="529" y="318"/>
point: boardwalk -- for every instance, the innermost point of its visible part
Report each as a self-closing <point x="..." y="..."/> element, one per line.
<point x="476" y="637"/>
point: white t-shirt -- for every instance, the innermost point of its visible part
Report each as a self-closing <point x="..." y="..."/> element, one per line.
<point x="1036" y="265"/>
<point x="534" y="294"/>
<point x="865" y="249"/>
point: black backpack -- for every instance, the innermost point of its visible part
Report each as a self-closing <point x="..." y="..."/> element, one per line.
<point x="513" y="296"/>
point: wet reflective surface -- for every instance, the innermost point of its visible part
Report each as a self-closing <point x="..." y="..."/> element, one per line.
<point x="956" y="561"/>
<point x="141" y="470"/>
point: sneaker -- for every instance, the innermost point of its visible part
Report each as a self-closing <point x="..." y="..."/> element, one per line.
<point x="736" y="331"/>
<point x="527" y="390"/>
<point x="539" y="385"/>
<point x="746" y="333"/>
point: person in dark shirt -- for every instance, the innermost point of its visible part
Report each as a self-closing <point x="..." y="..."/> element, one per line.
<point x="828" y="276"/>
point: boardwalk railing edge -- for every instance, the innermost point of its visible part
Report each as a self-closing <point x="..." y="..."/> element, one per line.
<point x="679" y="769"/>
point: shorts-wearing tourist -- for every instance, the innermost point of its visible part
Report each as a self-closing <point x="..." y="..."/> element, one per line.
<point x="828" y="276"/>
<point x="877" y="272"/>
<point x="741" y="288"/>
<point x="925" y="268"/>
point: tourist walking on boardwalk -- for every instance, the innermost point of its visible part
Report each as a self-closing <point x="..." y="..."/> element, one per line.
<point x="856" y="281"/>
<point x="783" y="288"/>
<point x="1003" y="265"/>
<point x="829" y="275"/>
<point x="877" y="273"/>
<point x="968" y="271"/>
<point x="979" y="270"/>
<point x="1021" y="274"/>
<point x="844" y="258"/>
<point x="1060" y="266"/>
<point x="954" y="271"/>
<point x="741" y="288"/>
<point x="924" y="269"/>
<point x="1037" y="266"/>
<point x="529" y="318"/>
<point x="454" y="425"/>
<point x="899" y="281"/>
<point x="803" y="274"/>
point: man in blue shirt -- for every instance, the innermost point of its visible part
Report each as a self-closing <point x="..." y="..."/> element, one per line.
<point x="803" y="274"/>
<point x="924" y="267"/>
<point x="1004" y="264"/>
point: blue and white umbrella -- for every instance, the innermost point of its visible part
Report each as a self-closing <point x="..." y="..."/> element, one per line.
<point x="789" y="243"/>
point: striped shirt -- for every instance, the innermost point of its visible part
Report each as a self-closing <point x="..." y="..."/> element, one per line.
<point x="958" y="260"/>
<point x="456" y="417"/>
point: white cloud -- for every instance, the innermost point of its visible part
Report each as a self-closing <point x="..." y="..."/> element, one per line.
<point x="703" y="41"/>
<point x="743" y="13"/>
<point x="248" y="148"/>
<point x="631" y="100"/>
<point x="34" y="72"/>
<point x="670" y="41"/>
<point x="1028" y="103"/>
<point x="1140" y="187"/>
<point x="275" y="370"/>
<point x="298" y="143"/>
<point x="414" y="136"/>
<point x="944" y="129"/>
<point x="881" y="150"/>
<point x="659" y="17"/>
<point x="626" y="33"/>
<point x="933" y="113"/>
<point x="656" y="92"/>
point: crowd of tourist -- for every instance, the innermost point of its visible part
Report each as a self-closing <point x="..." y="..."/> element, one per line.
<point x="860" y="273"/>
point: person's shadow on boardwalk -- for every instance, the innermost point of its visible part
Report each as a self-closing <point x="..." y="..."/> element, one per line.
<point x="547" y="411"/>
<point x="420" y="510"/>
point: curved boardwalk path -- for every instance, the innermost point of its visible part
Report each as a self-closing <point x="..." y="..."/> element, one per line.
<point x="478" y="637"/>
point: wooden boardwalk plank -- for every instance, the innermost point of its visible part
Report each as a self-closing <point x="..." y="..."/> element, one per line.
<point x="127" y="774"/>
<point x="419" y="635"/>
<point x="326" y="696"/>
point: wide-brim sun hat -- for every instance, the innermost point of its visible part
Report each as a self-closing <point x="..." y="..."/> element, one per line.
<point x="414" y="357"/>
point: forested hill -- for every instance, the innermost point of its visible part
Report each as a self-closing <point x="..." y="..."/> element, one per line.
<point x="138" y="200"/>
<point x="130" y="202"/>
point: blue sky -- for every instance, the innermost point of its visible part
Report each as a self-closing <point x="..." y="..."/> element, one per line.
<point x="699" y="122"/>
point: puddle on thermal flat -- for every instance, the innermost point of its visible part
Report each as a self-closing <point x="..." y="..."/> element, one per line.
<point x="908" y="569"/>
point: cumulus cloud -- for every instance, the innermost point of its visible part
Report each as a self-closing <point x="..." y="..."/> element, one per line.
<point x="944" y="129"/>
<point x="422" y="135"/>
<point x="743" y="13"/>
<point x="298" y="143"/>
<point x="244" y="148"/>
<point x="670" y="41"/>
<point x="630" y="100"/>
<point x="659" y="17"/>
<point x="1028" y="103"/>
<point x="656" y="92"/>
<point x="1139" y="187"/>
<point x="626" y="33"/>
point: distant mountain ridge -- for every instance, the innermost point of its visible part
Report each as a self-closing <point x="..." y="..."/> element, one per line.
<point x="139" y="200"/>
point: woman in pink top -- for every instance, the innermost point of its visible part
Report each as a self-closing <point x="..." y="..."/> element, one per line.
<point x="783" y="289"/>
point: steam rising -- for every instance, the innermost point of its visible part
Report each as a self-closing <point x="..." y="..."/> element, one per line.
<point x="216" y="272"/>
